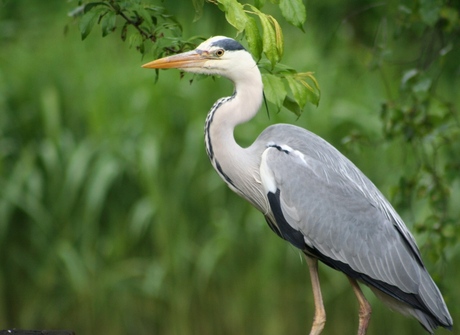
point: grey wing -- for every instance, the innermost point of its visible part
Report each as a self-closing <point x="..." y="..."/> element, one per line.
<point x="319" y="208"/>
<point x="331" y="160"/>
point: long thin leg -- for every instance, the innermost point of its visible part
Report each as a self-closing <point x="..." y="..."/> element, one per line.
<point x="365" y="309"/>
<point x="319" y="319"/>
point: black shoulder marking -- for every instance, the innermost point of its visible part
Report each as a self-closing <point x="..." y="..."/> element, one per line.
<point x="285" y="230"/>
<point x="393" y="291"/>
<point x="228" y="44"/>
<point x="276" y="146"/>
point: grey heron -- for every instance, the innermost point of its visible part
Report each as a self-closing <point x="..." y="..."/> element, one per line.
<point x="311" y="195"/>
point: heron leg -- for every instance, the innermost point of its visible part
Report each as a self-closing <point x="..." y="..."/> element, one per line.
<point x="319" y="320"/>
<point x="365" y="309"/>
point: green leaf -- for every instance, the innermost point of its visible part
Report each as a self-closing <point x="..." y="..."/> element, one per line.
<point x="234" y="13"/>
<point x="291" y="105"/>
<point x="89" y="6"/>
<point x="298" y="91"/>
<point x="253" y="37"/>
<point x="87" y="23"/>
<point x="274" y="89"/>
<point x="77" y="11"/>
<point x="303" y="91"/>
<point x="108" y="23"/>
<point x="135" y="40"/>
<point x="313" y="92"/>
<point x="279" y="39"/>
<point x="269" y="39"/>
<point x="294" y="12"/>
<point x="279" y="68"/>
<point x="147" y="16"/>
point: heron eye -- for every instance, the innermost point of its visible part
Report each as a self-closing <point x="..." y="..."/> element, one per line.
<point x="220" y="52"/>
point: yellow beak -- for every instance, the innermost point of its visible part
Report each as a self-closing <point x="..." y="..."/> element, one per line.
<point x="190" y="59"/>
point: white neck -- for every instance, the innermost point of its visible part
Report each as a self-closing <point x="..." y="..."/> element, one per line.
<point x="231" y="161"/>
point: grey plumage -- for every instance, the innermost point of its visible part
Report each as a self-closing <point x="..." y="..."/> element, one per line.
<point x="348" y="224"/>
<point x="311" y="195"/>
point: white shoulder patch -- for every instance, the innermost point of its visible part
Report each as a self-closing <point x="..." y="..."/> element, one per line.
<point x="266" y="174"/>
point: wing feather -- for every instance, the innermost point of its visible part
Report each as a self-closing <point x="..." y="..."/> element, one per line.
<point x="337" y="220"/>
<point x="345" y="221"/>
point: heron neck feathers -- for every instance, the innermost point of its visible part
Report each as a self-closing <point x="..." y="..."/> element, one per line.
<point x="232" y="162"/>
<point x="231" y="111"/>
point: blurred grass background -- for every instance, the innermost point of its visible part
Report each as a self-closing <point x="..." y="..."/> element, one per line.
<point x="112" y="220"/>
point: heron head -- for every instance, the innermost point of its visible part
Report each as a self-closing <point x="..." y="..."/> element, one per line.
<point x="218" y="55"/>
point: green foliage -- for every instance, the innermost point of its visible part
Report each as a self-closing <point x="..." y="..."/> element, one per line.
<point x="112" y="220"/>
<point x="294" y="11"/>
<point x="420" y="116"/>
<point x="154" y="31"/>
<point x="282" y="78"/>
<point x="158" y="33"/>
